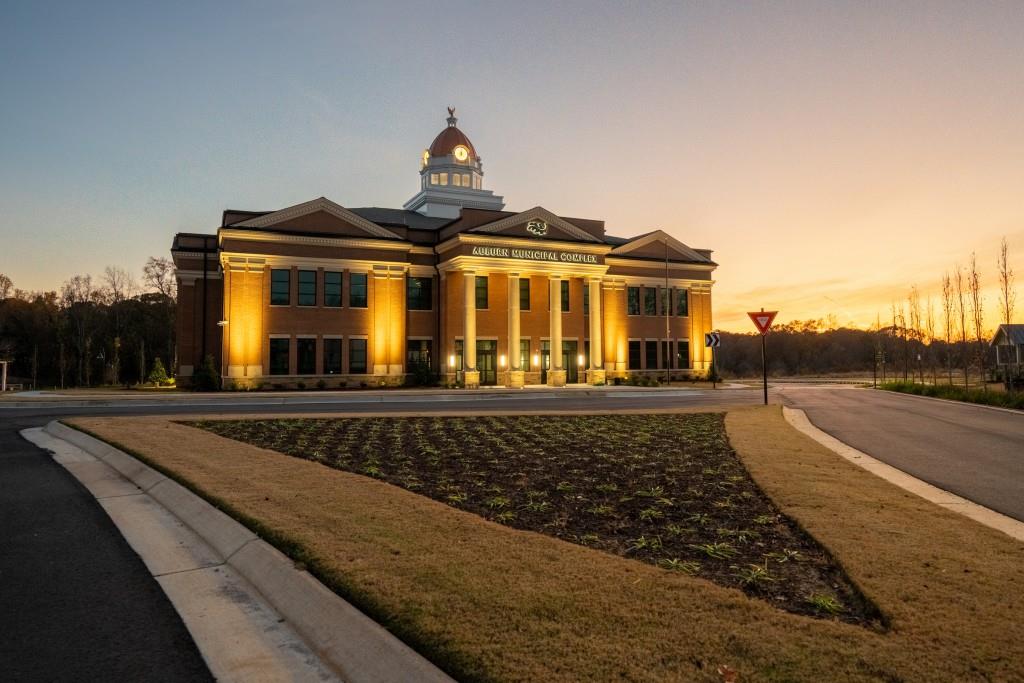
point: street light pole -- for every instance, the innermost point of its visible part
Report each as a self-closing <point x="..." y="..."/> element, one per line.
<point x="667" y="304"/>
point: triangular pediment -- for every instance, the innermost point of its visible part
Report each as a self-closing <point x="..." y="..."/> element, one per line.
<point x="659" y="245"/>
<point x="319" y="216"/>
<point x="536" y="223"/>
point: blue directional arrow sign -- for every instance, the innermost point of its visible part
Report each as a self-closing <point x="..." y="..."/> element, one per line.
<point x="712" y="340"/>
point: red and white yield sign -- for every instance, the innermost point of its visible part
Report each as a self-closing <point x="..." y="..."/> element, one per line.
<point x="763" y="320"/>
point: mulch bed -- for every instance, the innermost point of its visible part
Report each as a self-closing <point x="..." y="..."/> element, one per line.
<point x="663" y="489"/>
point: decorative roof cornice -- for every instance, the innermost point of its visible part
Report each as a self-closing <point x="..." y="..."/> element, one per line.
<point x="660" y="236"/>
<point x="312" y="206"/>
<point x="285" y="238"/>
<point x="536" y="212"/>
<point x="517" y="241"/>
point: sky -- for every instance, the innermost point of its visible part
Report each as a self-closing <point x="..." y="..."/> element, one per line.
<point x="831" y="154"/>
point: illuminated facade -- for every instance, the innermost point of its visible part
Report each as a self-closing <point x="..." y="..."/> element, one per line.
<point x="449" y="285"/>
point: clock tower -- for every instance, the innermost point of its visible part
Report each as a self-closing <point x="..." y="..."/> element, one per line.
<point x="451" y="177"/>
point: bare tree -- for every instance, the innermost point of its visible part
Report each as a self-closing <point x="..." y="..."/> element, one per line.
<point x="6" y="287"/>
<point x="915" y="332"/>
<point x="929" y="329"/>
<point x="158" y="274"/>
<point x="118" y="283"/>
<point x="1007" y="301"/>
<point x="978" y="315"/>
<point x="948" y="321"/>
<point x="962" y="311"/>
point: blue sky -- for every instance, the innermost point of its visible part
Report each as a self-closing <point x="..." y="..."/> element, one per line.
<point x="829" y="153"/>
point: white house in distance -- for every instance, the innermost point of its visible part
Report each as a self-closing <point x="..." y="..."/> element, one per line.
<point x="1009" y="343"/>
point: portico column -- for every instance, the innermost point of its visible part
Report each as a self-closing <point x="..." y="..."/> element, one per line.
<point x="471" y="376"/>
<point x="556" y="373"/>
<point x="597" y="374"/>
<point x="516" y="376"/>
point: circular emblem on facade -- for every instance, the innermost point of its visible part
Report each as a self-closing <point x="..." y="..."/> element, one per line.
<point x="537" y="227"/>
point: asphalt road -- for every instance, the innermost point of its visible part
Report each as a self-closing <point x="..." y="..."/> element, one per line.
<point x="977" y="453"/>
<point x="76" y="602"/>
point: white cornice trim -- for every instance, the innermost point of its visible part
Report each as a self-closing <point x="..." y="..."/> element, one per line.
<point x="312" y="206"/>
<point x="284" y="238"/>
<point x="653" y="281"/>
<point x="536" y="212"/>
<point x="659" y="236"/>
<point x="239" y="261"/>
<point x="545" y="245"/>
<point x="655" y="263"/>
<point x="485" y="264"/>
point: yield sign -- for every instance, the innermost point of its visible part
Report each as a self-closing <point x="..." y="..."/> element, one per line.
<point x="763" y="320"/>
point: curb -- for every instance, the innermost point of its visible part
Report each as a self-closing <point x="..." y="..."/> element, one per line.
<point x="356" y="646"/>
<point x="1013" y="528"/>
<point x="1012" y="411"/>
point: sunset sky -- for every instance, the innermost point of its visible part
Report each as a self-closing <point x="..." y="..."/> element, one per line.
<point x="831" y="154"/>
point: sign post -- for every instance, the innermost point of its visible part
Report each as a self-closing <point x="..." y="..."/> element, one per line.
<point x="763" y="321"/>
<point x="713" y="340"/>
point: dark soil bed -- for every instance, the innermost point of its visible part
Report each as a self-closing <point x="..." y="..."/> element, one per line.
<point x="663" y="489"/>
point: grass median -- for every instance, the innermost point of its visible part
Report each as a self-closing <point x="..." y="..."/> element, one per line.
<point x="489" y="602"/>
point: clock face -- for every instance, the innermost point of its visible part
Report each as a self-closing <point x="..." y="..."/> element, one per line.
<point x="461" y="153"/>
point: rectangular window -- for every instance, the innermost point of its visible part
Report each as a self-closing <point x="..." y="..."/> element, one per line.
<point x="683" y="355"/>
<point x="332" y="289"/>
<point x="651" y="355"/>
<point x="307" y="288"/>
<point x="418" y="354"/>
<point x="465" y="180"/>
<point x="279" y="349"/>
<point x="458" y="354"/>
<point x="280" y="292"/>
<point x="481" y="292"/>
<point x="634" y="355"/>
<point x="565" y="296"/>
<point x="682" y="302"/>
<point x="524" y="355"/>
<point x="650" y="301"/>
<point x="633" y="301"/>
<point x="305" y="350"/>
<point x="456" y="180"/>
<point x="357" y="356"/>
<point x="332" y="356"/>
<point x="586" y="299"/>
<point x="357" y="291"/>
<point x="419" y="293"/>
<point x="524" y="294"/>
<point x="433" y="179"/>
<point x="444" y="179"/>
<point x="666" y="354"/>
<point x="663" y="309"/>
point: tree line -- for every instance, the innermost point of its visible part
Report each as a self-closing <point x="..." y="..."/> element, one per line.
<point x="105" y="330"/>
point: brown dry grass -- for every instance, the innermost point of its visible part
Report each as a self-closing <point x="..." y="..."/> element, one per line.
<point x="492" y="603"/>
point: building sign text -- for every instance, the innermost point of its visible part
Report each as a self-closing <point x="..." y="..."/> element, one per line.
<point x="535" y="254"/>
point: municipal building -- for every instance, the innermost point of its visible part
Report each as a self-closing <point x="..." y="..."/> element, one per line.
<point x="451" y="284"/>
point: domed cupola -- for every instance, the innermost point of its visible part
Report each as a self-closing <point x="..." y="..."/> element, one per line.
<point x="451" y="176"/>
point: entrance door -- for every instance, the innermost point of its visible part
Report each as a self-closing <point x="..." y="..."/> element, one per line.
<point x="570" y="362"/>
<point x="487" y="361"/>
<point x="545" y="361"/>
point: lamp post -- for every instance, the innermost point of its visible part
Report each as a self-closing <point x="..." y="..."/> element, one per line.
<point x="667" y="304"/>
<point x="223" y="368"/>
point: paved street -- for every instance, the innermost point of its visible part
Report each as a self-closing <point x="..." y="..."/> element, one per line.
<point x="975" y="452"/>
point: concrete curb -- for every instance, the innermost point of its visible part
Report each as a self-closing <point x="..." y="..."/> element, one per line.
<point x="356" y="646"/>
<point x="1013" y="528"/>
<point x="1013" y="411"/>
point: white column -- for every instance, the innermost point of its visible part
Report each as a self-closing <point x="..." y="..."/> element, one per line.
<point x="514" y="361"/>
<point x="596" y="362"/>
<point x="555" y="284"/>
<point x="469" y="328"/>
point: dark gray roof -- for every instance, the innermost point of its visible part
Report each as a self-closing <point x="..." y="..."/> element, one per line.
<point x="409" y="219"/>
<point x="617" y="241"/>
<point x="1013" y="333"/>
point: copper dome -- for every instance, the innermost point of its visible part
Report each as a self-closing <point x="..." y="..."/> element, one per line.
<point x="450" y="138"/>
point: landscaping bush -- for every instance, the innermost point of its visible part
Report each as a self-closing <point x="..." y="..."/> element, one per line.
<point x="158" y="375"/>
<point x="955" y="393"/>
<point x="321" y="385"/>
<point x="206" y="377"/>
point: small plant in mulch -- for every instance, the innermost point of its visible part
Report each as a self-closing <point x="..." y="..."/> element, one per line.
<point x="662" y="489"/>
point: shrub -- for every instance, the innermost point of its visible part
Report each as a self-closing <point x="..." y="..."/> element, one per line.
<point x="955" y="393"/>
<point x="301" y="385"/>
<point x="321" y="385"/>
<point x="420" y="376"/>
<point x="158" y="374"/>
<point x="206" y="377"/>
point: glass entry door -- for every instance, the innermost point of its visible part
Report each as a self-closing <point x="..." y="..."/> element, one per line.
<point x="545" y="361"/>
<point x="570" y="362"/>
<point x="487" y="361"/>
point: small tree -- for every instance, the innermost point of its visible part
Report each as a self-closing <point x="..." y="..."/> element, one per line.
<point x="158" y="375"/>
<point x="206" y="377"/>
<point x="961" y="303"/>
<point x="978" y="316"/>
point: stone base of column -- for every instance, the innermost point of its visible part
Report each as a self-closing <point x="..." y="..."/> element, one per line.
<point x="596" y="377"/>
<point x="516" y="379"/>
<point x="471" y="379"/>
<point x="556" y="378"/>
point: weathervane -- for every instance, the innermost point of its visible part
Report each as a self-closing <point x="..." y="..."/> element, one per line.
<point x="451" y="116"/>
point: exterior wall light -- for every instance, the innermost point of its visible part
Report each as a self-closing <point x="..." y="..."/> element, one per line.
<point x="536" y="360"/>
<point x="501" y="361"/>
<point x="222" y="323"/>
<point x="451" y="361"/>
<point x="579" y="359"/>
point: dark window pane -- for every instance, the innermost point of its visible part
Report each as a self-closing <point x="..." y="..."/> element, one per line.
<point x="357" y="355"/>
<point x="682" y="302"/>
<point x="280" y="280"/>
<point x="633" y="301"/>
<point x="332" y="291"/>
<point x="357" y="292"/>
<point x="458" y="354"/>
<point x="307" y="288"/>
<point x="481" y="291"/>
<point x="634" y="355"/>
<point x="279" y="356"/>
<point x="651" y="355"/>
<point x="419" y="290"/>
<point x="666" y="354"/>
<point x="650" y="301"/>
<point x="586" y="299"/>
<point x="565" y="295"/>
<point x="683" y="355"/>
<point x="305" y="350"/>
<point x="663" y="308"/>
<point x="524" y="294"/>
<point x="332" y="356"/>
<point x="418" y="354"/>
<point x="524" y="355"/>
